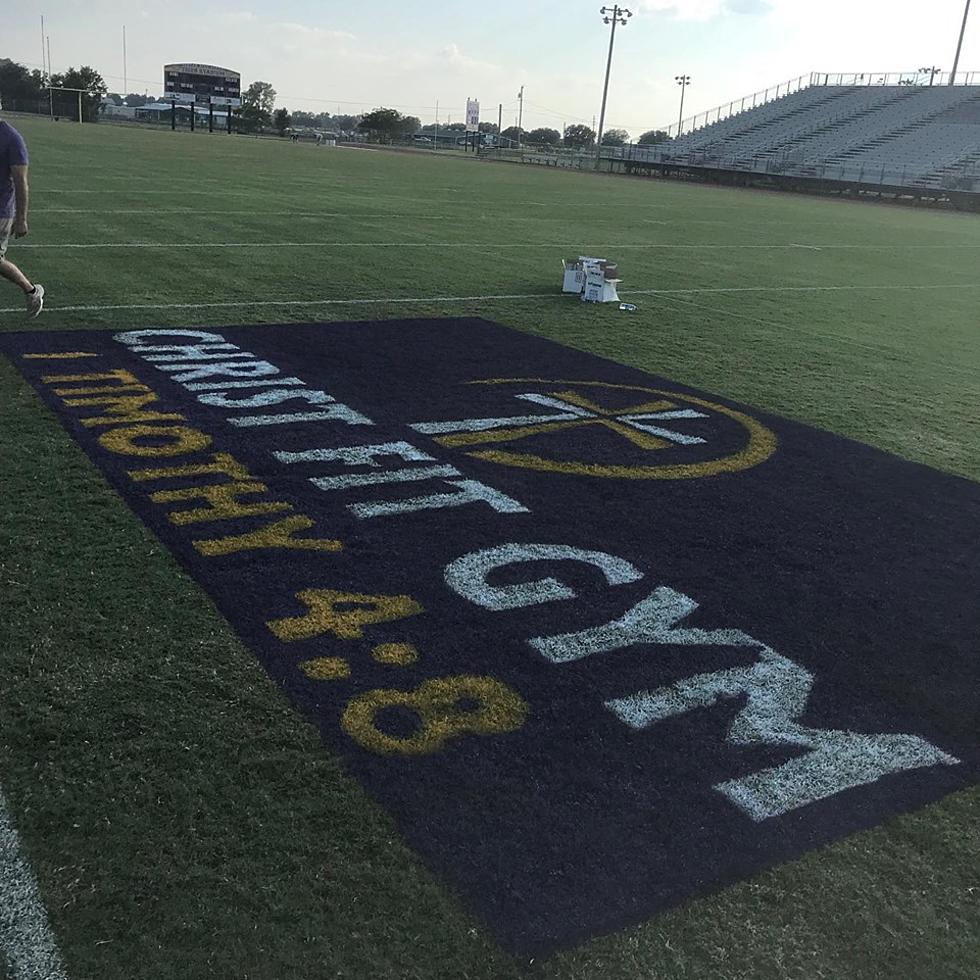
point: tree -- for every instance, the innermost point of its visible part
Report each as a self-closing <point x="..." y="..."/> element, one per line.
<point x="489" y="127"/>
<point x="136" y="101"/>
<point x="257" y="104"/>
<point x="18" y="85"/>
<point x="615" y="137"/>
<point x="342" y="123"/>
<point x="544" y="137"/>
<point x="281" y="121"/>
<point x="512" y="134"/>
<point x="93" y="88"/>
<point x="578" y="137"/>
<point x="653" y="137"/>
<point x="386" y="125"/>
<point x="115" y="98"/>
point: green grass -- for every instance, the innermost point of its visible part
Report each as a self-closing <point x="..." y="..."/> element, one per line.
<point x="182" y="820"/>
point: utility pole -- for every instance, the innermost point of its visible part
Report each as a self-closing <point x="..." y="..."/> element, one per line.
<point x="44" y="69"/>
<point x="520" y="118"/>
<point x="959" y="47"/>
<point x="500" y="125"/>
<point x="125" y="74"/>
<point x="50" y="90"/>
<point x="683" y="81"/>
<point x="435" y="145"/>
<point x="610" y="15"/>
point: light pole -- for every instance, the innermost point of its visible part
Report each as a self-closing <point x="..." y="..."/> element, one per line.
<point x="959" y="47"/>
<point x="520" y="118"/>
<point x="932" y="73"/>
<point x="683" y="81"/>
<point x="610" y="15"/>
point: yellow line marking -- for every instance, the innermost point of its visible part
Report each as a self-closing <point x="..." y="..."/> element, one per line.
<point x="396" y="654"/>
<point x="508" y="435"/>
<point x="66" y="356"/>
<point x="326" y="669"/>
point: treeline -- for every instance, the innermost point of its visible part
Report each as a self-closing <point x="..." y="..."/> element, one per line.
<point x="577" y="137"/>
<point x="30" y="91"/>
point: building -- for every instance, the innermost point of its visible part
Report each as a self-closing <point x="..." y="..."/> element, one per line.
<point x="202" y="83"/>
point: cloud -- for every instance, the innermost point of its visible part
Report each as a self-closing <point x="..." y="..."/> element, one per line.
<point x="313" y="34"/>
<point x="702" y="10"/>
<point x="749" y="6"/>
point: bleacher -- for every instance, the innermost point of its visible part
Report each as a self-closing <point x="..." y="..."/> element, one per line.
<point x="916" y="136"/>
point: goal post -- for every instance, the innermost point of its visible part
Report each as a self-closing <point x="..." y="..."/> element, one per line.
<point x="61" y="88"/>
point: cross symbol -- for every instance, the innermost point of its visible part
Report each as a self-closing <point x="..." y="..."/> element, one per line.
<point x="570" y="410"/>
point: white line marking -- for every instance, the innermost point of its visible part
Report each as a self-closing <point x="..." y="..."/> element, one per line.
<point x="191" y="212"/>
<point x="26" y="940"/>
<point x="183" y="193"/>
<point x="288" y="302"/>
<point x="499" y="297"/>
<point x="796" y="289"/>
<point x="488" y="245"/>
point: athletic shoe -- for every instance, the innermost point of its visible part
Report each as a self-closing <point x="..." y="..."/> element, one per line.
<point x="35" y="301"/>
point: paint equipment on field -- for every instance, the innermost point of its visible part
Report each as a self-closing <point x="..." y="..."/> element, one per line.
<point x="594" y="279"/>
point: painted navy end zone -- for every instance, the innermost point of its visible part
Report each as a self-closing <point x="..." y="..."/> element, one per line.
<point x="852" y="565"/>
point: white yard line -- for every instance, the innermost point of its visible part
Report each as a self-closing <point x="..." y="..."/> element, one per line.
<point x="40" y="191"/>
<point x="192" y="212"/>
<point x="287" y="302"/>
<point x="494" y="297"/>
<point x="26" y="940"/>
<point x="796" y="289"/>
<point x="557" y="246"/>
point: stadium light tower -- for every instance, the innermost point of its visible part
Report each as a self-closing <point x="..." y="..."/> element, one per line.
<point x="959" y="47"/>
<point x="683" y="81"/>
<point x="610" y="15"/>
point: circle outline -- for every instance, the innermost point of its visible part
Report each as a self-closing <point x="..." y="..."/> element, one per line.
<point x="762" y="444"/>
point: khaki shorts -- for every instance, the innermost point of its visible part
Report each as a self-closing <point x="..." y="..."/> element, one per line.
<point x="6" y="230"/>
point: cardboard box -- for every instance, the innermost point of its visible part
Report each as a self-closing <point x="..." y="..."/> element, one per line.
<point x="594" y="279"/>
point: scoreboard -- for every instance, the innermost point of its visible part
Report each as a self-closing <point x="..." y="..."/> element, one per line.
<point x="207" y="84"/>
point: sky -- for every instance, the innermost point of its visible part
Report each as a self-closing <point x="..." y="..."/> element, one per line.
<point x="351" y="57"/>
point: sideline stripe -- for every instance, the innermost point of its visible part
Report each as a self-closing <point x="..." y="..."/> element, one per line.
<point x="484" y="299"/>
<point x="548" y="245"/>
<point x="26" y="939"/>
<point x="251" y="213"/>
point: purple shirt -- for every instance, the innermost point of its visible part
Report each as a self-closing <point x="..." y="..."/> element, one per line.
<point x="13" y="153"/>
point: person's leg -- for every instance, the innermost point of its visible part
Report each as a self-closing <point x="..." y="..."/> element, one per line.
<point x="11" y="273"/>
<point x="33" y="292"/>
<point x="8" y="270"/>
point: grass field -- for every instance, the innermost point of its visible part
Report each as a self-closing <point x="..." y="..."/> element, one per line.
<point x="181" y="820"/>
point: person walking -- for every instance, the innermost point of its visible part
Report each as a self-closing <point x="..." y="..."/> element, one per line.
<point x="14" y="202"/>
